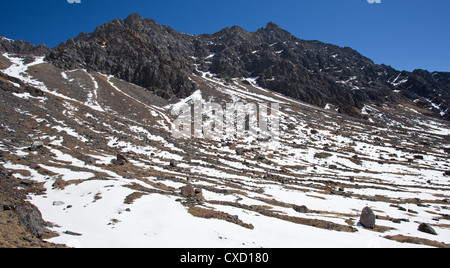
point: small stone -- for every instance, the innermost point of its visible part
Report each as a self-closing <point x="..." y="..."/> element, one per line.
<point x="260" y="157"/>
<point x="58" y="203"/>
<point x="322" y="155"/>
<point x="413" y="211"/>
<point x="292" y="126"/>
<point x="301" y="209"/>
<point x="121" y="157"/>
<point x="173" y="163"/>
<point x="72" y="233"/>
<point x="7" y="207"/>
<point x="198" y="191"/>
<point x="37" y="145"/>
<point x="26" y="182"/>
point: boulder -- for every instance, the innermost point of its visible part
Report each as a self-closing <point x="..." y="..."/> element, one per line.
<point x="367" y="218"/>
<point x="188" y="191"/>
<point x="120" y="160"/>
<point x="426" y="228"/>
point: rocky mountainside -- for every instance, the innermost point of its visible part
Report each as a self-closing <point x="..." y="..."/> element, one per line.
<point x="22" y="47"/>
<point x="160" y="59"/>
<point x="88" y="155"/>
<point x="136" y="50"/>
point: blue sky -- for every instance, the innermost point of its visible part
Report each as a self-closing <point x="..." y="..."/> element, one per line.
<point x="406" y="34"/>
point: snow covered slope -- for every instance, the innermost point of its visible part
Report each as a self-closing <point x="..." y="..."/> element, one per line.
<point x="305" y="189"/>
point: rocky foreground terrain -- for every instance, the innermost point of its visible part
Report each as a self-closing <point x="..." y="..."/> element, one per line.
<point x="88" y="157"/>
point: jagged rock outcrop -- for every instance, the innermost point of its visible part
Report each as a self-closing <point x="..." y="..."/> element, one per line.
<point x="22" y="47"/>
<point x="135" y="50"/>
<point x="19" y="214"/>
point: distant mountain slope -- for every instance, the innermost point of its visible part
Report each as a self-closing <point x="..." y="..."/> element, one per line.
<point x="161" y="60"/>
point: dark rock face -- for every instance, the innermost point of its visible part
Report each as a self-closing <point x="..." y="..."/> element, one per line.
<point x="161" y="60"/>
<point x="22" y="47"/>
<point x="316" y="72"/>
<point x="432" y="88"/>
<point x="135" y="50"/>
<point x="367" y="218"/>
<point x="13" y="199"/>
<point x="31" y="218"/>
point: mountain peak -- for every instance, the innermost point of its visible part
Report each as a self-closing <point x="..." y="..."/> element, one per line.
<point x="237" y="29"/>
<point x="133" y="19"/>
<point x="271" y="25"/>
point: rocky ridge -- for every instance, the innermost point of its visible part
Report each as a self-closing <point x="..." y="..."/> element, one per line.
<point x="160" y="59"/>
